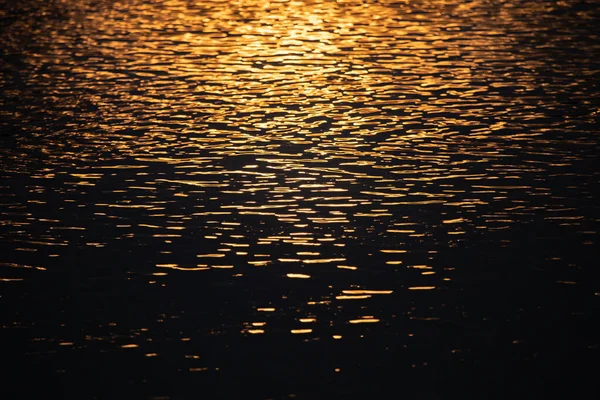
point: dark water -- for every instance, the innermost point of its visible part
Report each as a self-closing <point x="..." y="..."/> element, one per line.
<point x="299" y="199"/>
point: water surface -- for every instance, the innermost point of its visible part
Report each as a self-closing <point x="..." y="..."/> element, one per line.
<point x="310" y="199"/>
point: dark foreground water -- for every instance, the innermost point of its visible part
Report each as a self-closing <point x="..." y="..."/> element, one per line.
<point x="299" y="199"/>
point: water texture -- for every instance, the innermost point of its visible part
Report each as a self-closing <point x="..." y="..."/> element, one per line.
<point x="299" y="199"/>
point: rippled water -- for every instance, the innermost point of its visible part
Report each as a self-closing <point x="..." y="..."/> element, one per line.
<point x="269" y="199"/>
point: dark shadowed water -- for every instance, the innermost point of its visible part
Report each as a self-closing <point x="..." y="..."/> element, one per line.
<point x="311" y="199"/>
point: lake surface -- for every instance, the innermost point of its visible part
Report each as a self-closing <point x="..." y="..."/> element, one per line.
<point x="299" y="199"/>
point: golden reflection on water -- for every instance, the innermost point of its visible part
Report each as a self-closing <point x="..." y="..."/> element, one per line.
<point x="333" y="144"/>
